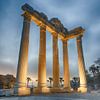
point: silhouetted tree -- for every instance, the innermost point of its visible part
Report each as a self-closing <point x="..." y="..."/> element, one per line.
<point x="97" y="63"/>
<point x="93" y="70"/>
<point x="75" y="83"/>
<point x="50" y="80"/>
<point x="89" y="79"/>
<point x="28" y="80"/>
<point x="61" y="81"/>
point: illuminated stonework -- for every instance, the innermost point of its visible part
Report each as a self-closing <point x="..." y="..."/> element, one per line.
<point x="66" y="66"/>
<point x="57" y="30"/>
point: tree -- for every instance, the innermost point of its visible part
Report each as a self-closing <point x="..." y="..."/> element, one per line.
<point x="61" y="81"/>
<point x="28" y="80"/>
<point x="75" y="83"/>
<point x="36" y="80"/>
<point x="89" y="79"/>
<point x="50" y="80"/>
<point x="97" y="63"/>
<point x="98" y="67"/>
<point x="93" y="69"/>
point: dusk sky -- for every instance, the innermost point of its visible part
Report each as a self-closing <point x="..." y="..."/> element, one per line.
<point x="72" y="13"/>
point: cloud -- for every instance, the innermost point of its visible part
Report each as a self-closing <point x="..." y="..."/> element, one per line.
<point x="7" y="68"/>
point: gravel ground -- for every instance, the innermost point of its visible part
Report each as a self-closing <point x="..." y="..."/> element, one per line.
<point x="60" y="96"/>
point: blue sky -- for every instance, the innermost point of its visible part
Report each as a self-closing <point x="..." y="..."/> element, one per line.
<point x="72" y="13"/>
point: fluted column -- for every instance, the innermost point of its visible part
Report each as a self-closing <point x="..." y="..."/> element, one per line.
<point x="23" y="54"/>
<point x="55" y="62"/>
<point x="42" y="58"/>
<point x="66" y="66"/>
<point x="81" y="66"/>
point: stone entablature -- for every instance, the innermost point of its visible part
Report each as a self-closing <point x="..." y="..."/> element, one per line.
<point x="53" y="25"/>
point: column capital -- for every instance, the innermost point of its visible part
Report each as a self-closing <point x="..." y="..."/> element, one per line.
<point x="42" y="25"/>
<point x="79" y="38"/>
<point x="64" y="41"/>
<point x="55" y="35"/>
<point x="27" y="17"/>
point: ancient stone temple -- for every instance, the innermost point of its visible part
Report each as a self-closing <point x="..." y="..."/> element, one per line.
<point x="58" y="31"/>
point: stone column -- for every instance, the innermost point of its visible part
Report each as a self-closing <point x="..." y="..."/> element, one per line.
<point x="55" y="62"/>
<point x="66" y="66"/>
<point x="42" y="58"/>
<point x="81" y="66"/>
<point x="23" y="54"/>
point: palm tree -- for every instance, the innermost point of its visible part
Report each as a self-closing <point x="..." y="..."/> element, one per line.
<point x="36" y="82"/>
<point x="61" y="81"/>
<point x="50" y="80"/>
<point x="28" y="80"/>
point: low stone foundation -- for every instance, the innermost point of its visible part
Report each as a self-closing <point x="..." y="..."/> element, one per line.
<point x="31" y="91"/>
<point x="82" y="89"/>
<point x="50" y="90"/>
<point x="22" y="91"/>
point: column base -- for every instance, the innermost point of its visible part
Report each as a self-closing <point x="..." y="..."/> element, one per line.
<point x="41" y="90"/>
<point x="22" y="91"/>
<point x="68" y="89"/>
<point x="59" y="90"/>
<point x="56" y="90"/>
<point x="82" y="89"/>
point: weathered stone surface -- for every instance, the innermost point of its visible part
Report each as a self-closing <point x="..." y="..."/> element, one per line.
<point x="66" y="65"/>
<point x="81" y="66"/>
<point x="42" y="58"/>
<point x="58" y="25"/>
<point x="77" y="30"/>
<point x="23" y="55"/>
<point x="65" y="31"/>
<point x="55" y="62"/>
<point x="44" y="16"/>
<point x="55" y="22"/>
<point x="27" y="7"/>
<point x="57" y="29"/>
<point x="36" y="12"/>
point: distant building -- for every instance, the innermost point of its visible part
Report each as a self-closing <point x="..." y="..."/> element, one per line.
<point x="7" y="81"/>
